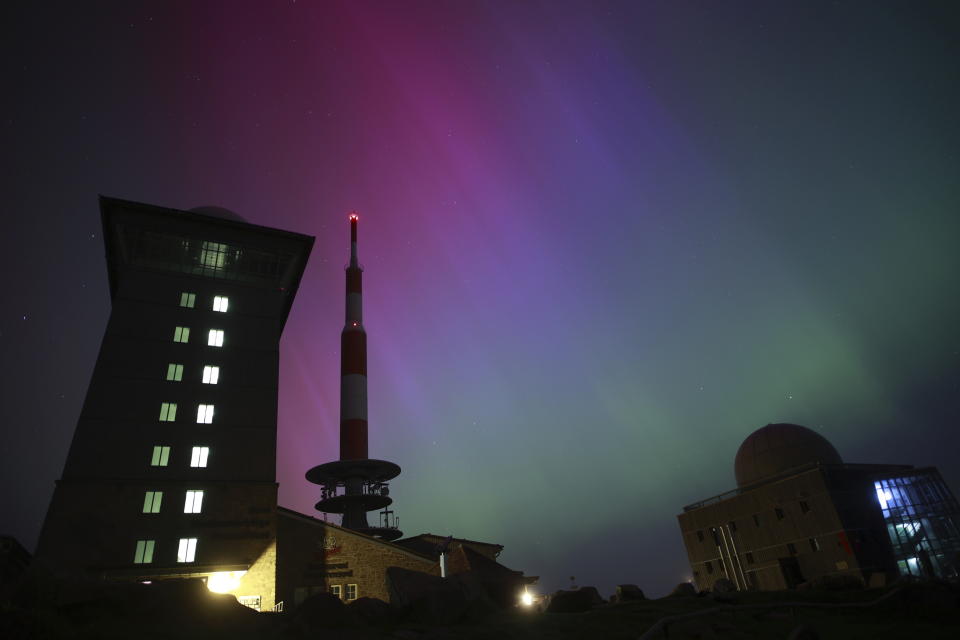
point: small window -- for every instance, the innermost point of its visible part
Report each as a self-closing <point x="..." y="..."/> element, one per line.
<point x="814" y="544"/>
<point x="756" y="520"/>
<point x="211" y="374"/>
<point x="709" y="567"/>
<point x="151" y="501"/>
<point x="220" y="303"/>
<point x="804" y="507"/>
<point x="700" y="536"/>
<point x="215" y="339"/>
<point x="194" y="502"/>
<point x="732" y="526"/>
<point x="205" y="414"/>
<point x="779" y="512"/>
<point x="716" y="536"/>
<point x="174" y="372"/>
<point x="791" y="548"/>
<point x="160" y="457"/>
<point x="181" y="334"/>
<point x="336" y="590"/>
<point x="168" y="411"/>
<point x="749" y="557"/>
<point x="187" y="550"/>
<point x="351" y="592"/>
<point x="144" y="552"/>
<point x="188" y="300"/>
<point x="198" y="458"/>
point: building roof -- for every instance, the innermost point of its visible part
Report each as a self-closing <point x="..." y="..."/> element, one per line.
<point x="290" y="513"/>
<point x="776" y="448"/>
<point x="427" y="543"/>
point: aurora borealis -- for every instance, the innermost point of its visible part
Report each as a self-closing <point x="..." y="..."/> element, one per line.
<point x="603" y="241"/>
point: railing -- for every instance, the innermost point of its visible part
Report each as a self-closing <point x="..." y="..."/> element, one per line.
<point x="278" y="607"/>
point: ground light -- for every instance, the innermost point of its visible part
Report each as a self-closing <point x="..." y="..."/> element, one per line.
<point x="526" y="598"/>
<point x="224" y="581"/>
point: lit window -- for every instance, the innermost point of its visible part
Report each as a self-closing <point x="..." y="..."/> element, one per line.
<point x="205" y="414"/>
<point x="336" y="590"/>
<point x="211" y="374"/>
<point x="161" y="455"/>
<point x="168" y="411"/>
<point x="220" y="303"/>
<point x="151" y="501"/>
<point x="194" y="502"/>
<point x="213" y="255"/>
<point x="181" y="334"/>
<point x="215" y="339"/>
<point x="187" y="299"/>
<point x="814" y="544"/>
<point x="174" y="372"/>
<point x="199" y="456"/>
<point x="144" y="552"/>
<point x="187" y="550"/>
<point x="351" y="592"/>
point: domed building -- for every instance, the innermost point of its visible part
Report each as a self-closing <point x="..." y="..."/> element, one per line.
<point x="801" y="514"/>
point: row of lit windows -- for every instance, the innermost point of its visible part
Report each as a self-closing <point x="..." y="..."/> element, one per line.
<point x="193" y="502"/>
<point x="168" y="413"/>
<point x="214" y="337"/>
<point x="186" y="550"/>
<point x="161" y="456"/>
<point x="220" y="303"/>
<point x="211" y="374"/>
<point x="732" y="525"/>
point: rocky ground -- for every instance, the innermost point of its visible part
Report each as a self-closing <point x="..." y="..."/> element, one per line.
<point x="38" y="607"/>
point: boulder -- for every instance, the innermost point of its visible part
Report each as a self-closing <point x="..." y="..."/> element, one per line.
<point x="684" y="589"/>
<point x="371" y="610"/>
<point x="570" y="601"/>
<point x="837" y="582"/>
<point x="629" y="592"/>
<point x="321" y="611"/>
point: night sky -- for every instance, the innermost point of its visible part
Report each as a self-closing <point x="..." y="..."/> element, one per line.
<point x="603" y="241"/>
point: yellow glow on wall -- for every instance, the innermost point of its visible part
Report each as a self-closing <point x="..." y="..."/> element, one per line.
<point x="224" y="581"/>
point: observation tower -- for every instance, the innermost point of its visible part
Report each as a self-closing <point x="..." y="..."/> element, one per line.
<point x="356" y="484"/>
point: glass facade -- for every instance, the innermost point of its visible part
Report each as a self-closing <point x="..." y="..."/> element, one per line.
<point x="923" y="523"/>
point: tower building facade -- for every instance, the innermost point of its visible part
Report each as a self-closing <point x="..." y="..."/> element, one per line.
<point x="172" y="467"/>
<point x="356" y="484"/>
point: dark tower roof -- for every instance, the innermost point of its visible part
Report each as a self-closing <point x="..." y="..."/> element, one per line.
<point x="778" y="447"/>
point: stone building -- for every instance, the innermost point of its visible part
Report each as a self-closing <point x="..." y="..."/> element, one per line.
<point x="172" y="469"/>
<point x="800" y="514"/>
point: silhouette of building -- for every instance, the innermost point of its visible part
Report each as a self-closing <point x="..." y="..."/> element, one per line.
<point x="172" y="469"/>
<point x="800" y="514"/>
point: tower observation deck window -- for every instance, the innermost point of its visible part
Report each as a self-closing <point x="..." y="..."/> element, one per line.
<point x="220" y="303"/>
<point x="215" y="338"/>
<point x="187" y="550"/>
<point x="144" y="552"/>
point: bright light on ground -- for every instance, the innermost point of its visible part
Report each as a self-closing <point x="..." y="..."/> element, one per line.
<point x="526" y="599"/>
<point x="224" y="581"/>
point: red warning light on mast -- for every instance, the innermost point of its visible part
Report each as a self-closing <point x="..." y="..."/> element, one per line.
<point x="354" y="217"/>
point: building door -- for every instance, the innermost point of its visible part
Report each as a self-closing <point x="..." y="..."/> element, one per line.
<point x="790" y="568"/>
